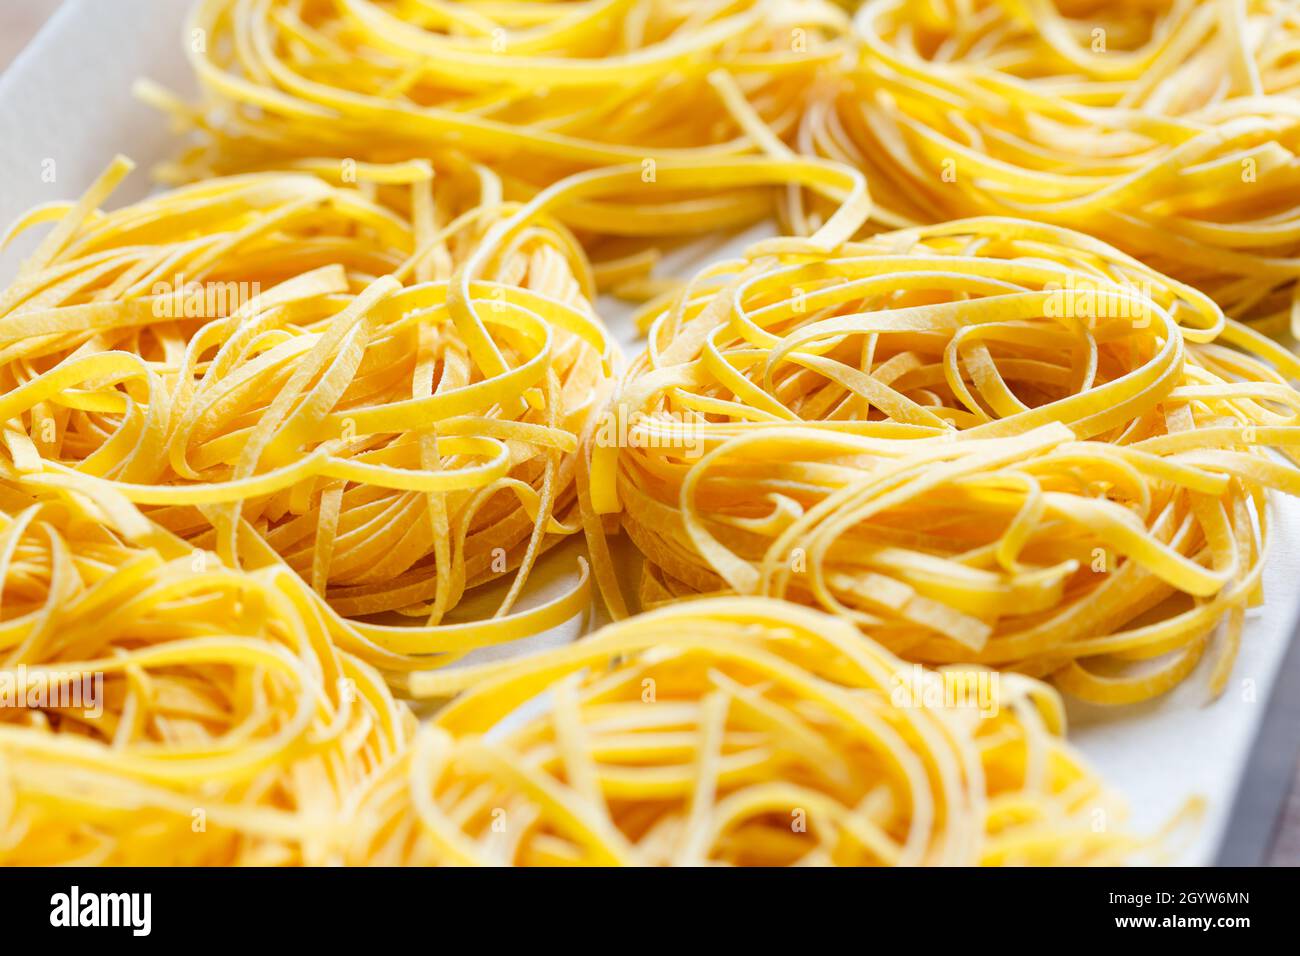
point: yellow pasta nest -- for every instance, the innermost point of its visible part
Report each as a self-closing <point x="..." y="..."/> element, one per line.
<point x="241" y="357"/>
<point x="160" y="708"/>
<point x="989" y="441"/>
<point x="1167" y="128"/>
<point x="536" y="90"/>
<point x="737" y="731"/>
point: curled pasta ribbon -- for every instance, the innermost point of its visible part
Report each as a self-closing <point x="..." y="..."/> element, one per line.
<point x="1169" y="129"/>
<point x="161" y="708"/>
<point x="737" y="731"/>
<point x="536" y="91"/>
<point x="988" y="441"/>
<point x="242" y="357"/>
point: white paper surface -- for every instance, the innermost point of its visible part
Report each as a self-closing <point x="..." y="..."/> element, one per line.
<point x="67" y="100"/>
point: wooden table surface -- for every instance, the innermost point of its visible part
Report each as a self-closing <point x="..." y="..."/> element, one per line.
<point x="19" y="21"/>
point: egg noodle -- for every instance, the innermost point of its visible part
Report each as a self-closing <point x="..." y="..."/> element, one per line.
<point x="538" y="91"/>
<point x="228" y="726"/>
<point x="281" y="443"/>
<point x="396" y="446"/>
<point x="739" y="731"/>
<point x="1168" y="128"/>
<point x="989" y="441"/>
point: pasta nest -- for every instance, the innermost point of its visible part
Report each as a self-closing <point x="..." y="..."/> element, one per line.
<point x="737" y="731"/>
<point x="536" y="91"/>
<point x="1167" y="128"/>
<point x="162" y="708"/>
<point x="989" y="441"/>
<point x="397" y="445"/>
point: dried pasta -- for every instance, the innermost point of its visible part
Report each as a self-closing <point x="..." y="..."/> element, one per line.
<point x="738" y="731"/>
<point x="1168" y="128"/>
<point x="537" y="91"/>
<point x="271" y="440"/>
<point x="273" y="364"/>
<point x="989" y="441"/>
<point x="164" y="709"/>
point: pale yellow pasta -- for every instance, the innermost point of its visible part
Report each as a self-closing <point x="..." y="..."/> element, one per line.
<point x="162" y="709"/>
<point x="271" y="440"/>
<point x="738" y="731"/>
<point x="1170" y="128"/>
<point x="984" y="441"/>
<point x="538" y="91"/>
<point x="276" y="364"/>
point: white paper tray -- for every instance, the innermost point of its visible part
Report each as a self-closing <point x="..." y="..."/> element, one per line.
<point x="67" y="99"/>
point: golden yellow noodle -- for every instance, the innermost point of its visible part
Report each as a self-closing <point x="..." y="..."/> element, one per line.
<point x="1169" y="128"/>
<point x="242" y="357"/>
<point x="538" y="91"/>
<point x="351" y="374"/>
<point x="989" y="441"/>
<point x="737" y="731"/>
<point x="160" y="708"/>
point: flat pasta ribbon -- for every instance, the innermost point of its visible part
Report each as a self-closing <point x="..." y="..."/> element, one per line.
<point x="738" y="731"/>
<point x="161" y="708"/>
<point x="538" y="92"/>
<point x="1169" y="129"/>
<point x="282" y="367"/>
<point x="988" y="441"/>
